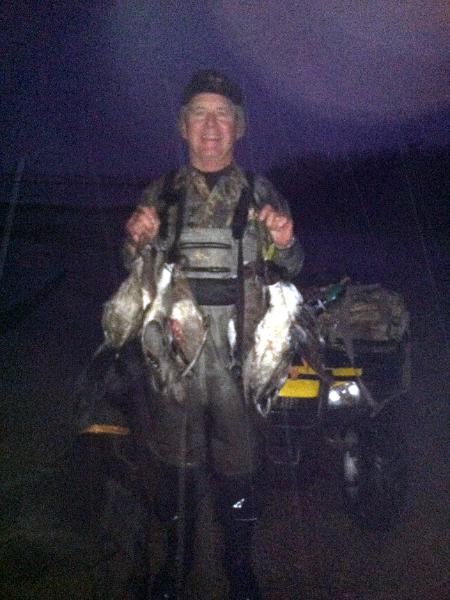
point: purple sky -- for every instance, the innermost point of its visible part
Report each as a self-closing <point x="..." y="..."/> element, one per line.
<point x="95" y="89"/>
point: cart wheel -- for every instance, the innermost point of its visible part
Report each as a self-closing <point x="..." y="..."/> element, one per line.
<point x="374" y="475"/>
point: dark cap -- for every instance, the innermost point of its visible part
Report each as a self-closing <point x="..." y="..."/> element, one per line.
<point x="212" y="82"/>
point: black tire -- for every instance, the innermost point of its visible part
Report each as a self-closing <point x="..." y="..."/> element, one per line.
<point x="374" y="475"/>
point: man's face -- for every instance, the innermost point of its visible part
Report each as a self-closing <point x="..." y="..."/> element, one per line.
<point x="210" y="129"/>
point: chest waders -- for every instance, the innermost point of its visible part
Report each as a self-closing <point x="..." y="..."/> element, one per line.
<point x="213" y="261"/>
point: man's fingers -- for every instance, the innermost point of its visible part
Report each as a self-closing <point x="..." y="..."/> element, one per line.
<point x="273" y="219"/>
<point x="278" y="224"/>
<point x="264" y="212"/>
<point x="143" y="224"/>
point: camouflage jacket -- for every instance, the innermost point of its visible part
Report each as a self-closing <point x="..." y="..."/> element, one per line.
<point x="215" y="208"/>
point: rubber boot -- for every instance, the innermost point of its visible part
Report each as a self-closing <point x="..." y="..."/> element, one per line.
<point x="179" y="514"/>
<point x="236" y="505"/>
<point x="170" y="582"/>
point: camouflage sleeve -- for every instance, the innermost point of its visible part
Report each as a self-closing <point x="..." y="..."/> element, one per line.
<point x="291" y="258"/>
<point x="149" y="198"/>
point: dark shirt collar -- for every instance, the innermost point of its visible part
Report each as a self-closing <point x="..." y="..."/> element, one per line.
<point x="188" y="172"/>
<point x="212" y="177"/>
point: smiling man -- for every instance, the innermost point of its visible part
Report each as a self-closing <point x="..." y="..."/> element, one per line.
<point x="211" y="127"/>
<point x="217" y="219"/>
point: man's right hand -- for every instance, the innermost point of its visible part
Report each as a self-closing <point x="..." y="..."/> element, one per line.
<point x="143" y="225"/>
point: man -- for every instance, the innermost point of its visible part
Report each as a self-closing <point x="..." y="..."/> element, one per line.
<point x="213" y="425"/>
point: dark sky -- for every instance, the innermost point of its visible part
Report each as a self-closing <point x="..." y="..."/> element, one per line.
<point x="94" y="86"/>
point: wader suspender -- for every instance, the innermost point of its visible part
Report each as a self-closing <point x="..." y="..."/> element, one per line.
<point x="238" y="226"/>
<point x="169" y="197"/>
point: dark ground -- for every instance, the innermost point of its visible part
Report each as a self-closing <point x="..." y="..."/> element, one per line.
<point x="303" y="538"/>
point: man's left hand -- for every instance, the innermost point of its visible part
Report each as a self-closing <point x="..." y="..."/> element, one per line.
<point x="279" y="225"/>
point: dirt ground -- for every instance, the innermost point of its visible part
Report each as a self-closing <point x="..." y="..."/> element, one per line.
<point x="305" y="545"/>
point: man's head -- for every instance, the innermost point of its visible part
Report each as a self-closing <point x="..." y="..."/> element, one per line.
<point x="212" y="82"/>
<point x="211" y="120"/>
